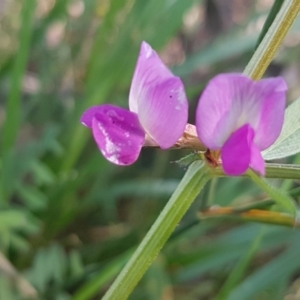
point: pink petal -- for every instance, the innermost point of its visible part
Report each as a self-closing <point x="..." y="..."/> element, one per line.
<point x="117" y="133"/>
<point x="89" y="114"/>
<point x="159" y="99"/>
<point x="236" y="152"/>
<point x="273" y="90"/>
<point x="257" y="162"/>
<point x="232" y="100"/>
<point x="149" y="71"/>
<point x="163" y="112"/>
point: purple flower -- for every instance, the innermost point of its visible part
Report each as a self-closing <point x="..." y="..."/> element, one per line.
<point x="158" y="112"/>
<point x="241" y="117"/>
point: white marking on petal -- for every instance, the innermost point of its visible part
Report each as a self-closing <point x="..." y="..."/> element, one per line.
<point x="181" y="96"/>
<point x="112" y="113"/>
<point x="114" y="159"/>
<point x="247" y="113"/>
<point x="111" y="149"/>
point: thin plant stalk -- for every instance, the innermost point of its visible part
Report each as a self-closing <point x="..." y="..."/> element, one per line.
<point x="192" y="183"/>
<point x="273" y="39"/>
<point x="280" y="171"/>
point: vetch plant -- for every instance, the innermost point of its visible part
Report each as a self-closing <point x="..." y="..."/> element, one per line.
<point x="158" y="113"/>
<point x="71" y="208"/>
<point x="237" y="118"/>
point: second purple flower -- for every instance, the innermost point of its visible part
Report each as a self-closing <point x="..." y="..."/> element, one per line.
<point x="239" y="118"/>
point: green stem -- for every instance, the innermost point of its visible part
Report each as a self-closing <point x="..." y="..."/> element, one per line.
<point x="273" y="39"/>
<point x="194" y="180"/>
<point x="255" y="215"/>
<point x="282" y="171"/>
<point x="287" y="184"/>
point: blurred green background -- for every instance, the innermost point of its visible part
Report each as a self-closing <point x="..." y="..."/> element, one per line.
<point x="69" y="220"/>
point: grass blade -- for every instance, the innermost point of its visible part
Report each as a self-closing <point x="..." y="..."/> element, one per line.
<point x="13" y="110"/>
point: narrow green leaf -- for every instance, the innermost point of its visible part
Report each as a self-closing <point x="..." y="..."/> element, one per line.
<point x="210" y="257"/>
<point x="288" y="143"/>
<point x="277" y="195"/>
<point x="240" y="269"/>
<point x="279" y="269"/>
<point x="13" y="110"/>
<point x="273" y="39"/>
<point x="271" y="16"/>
